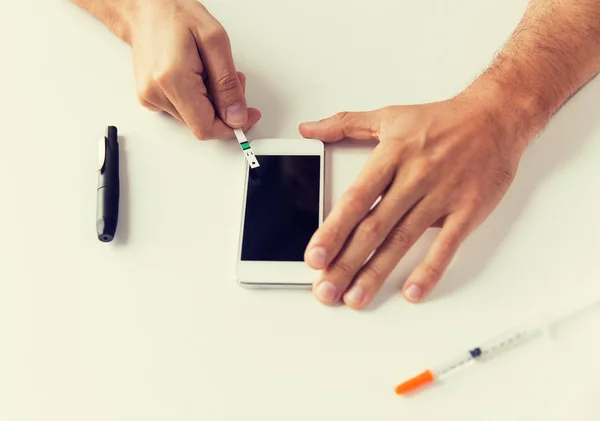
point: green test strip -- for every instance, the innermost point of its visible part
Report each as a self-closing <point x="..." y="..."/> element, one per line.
<point x="246" y="148"/>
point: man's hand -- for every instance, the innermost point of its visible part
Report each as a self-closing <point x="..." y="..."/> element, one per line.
<point x="449" y="163"/>
<point x="443" y="164"/>
<point x="182" y="61"/>
<point x="184" y="66"/>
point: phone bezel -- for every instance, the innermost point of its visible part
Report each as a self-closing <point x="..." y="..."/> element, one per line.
<point x="270" y="274"/>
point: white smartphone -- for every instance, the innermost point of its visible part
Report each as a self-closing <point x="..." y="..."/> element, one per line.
<point x="283" y="207"/>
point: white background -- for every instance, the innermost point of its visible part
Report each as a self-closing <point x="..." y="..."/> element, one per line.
<point x="153" y="326"/>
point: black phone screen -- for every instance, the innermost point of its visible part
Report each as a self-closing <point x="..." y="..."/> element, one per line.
<point x="282" y="208"/>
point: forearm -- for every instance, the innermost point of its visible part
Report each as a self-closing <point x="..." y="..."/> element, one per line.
<point x="117" y="15"/>
<point x="554" y="51"/>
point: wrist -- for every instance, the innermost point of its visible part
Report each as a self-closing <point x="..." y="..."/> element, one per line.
<point x="121" y="16"/>
<point x="516" y="113"/>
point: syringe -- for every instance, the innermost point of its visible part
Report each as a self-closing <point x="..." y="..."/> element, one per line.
<point x="489" y="348"/>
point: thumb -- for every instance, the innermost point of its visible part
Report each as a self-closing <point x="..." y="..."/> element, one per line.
<point x="362" y="125"/>
<point x="224" y="83"/>
<point x="228" y="96"/>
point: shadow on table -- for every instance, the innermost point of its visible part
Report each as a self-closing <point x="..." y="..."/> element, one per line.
<point x="122" y="235"/>
<point x="554" y="147"/>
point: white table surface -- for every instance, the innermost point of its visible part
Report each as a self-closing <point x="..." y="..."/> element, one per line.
<point x="153" y="326"/>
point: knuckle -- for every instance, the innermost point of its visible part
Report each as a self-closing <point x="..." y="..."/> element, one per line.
<point x="399" y="237"/>
<point x="144" y="103"/>
<point x="164" y="77"/>
<point x="355" y="200"/>
<point x="420" y="172"/>
<point x="199" y="8"/>
<point x="475" y="202"/>
<point x="200" y="133"/>
<point x="372" y="275"/>
<point x="448" y="246"/>
<point x="438" y="156"/>
<point x="340" y="116"/>
<point x="226" y="81"/>
<point x="145" y="93"/>
<point x="431" y="272"/>
<point x="331" y="234"/>
<point x="388" y="114"/>
<point x="214" y="36"/>
<point x="344" y="267"/>
<point x="371" y="229"/>
<point x="463" y="227"/>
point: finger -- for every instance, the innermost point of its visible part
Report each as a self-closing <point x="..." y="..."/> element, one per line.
<point x="186" y="91"/>
<point x="363" y="125"/>
<point x="182" y="84"/>
<point x="221" y="130"/>
<point x="149" y="105"/>
<point x="169" y="108"/>
<point x="163" y="103"/>
<point x="242" y="78"/>
<point x="367" y="237"/>
<point x="404" y="235"/>
<point x="426" y="276"/>
<point x="224" y="84"/>
<point x="153" y="98"/>
<point x="374" y="178"/>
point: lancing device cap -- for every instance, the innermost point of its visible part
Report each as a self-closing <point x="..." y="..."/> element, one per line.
<point x="107" y="210"/>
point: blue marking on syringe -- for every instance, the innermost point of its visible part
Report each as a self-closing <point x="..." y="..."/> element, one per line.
<point x="476" y="352"/>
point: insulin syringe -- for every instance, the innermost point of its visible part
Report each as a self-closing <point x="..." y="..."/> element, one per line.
<point x="487" y="349"/>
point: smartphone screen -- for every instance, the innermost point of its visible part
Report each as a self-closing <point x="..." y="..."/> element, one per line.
<point x="282" y="208"/>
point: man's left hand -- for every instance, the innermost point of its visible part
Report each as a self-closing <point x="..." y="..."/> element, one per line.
<point x="445" y="164"/>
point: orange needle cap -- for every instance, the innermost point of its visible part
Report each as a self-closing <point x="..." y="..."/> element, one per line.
<point x="416" y="382"/>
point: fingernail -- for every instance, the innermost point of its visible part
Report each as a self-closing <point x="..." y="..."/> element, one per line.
<point x="326" y="292"/>
<point x="236" y="114"/>
<point x="356" y="294"/>
<point x="317" y="257"/>
<point x="414" y="292"/>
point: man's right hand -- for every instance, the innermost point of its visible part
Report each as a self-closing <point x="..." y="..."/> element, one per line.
<point x="184" y="66"/>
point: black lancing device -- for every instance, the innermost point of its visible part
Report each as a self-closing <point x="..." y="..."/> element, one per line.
<point x="107" y="211"/>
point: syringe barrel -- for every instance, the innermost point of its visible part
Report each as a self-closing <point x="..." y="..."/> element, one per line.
<point x="509" y="339"/>
<point x="450" y="365"/>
